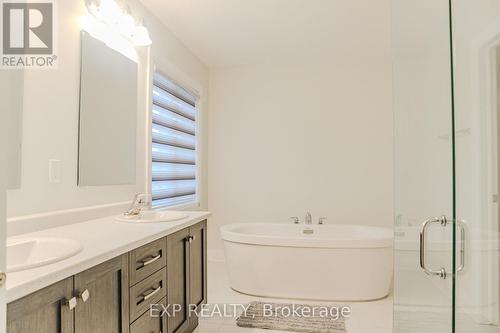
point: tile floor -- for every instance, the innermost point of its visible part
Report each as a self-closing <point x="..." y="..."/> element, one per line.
<point x="366" y="317"/>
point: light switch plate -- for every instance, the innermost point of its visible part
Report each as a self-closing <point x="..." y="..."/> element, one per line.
<point x="55" y="170"/>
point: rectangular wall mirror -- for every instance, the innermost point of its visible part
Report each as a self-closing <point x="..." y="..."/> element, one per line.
<point x="108" y="116"/>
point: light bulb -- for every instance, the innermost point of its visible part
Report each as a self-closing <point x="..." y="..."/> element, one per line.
<point x="141" y="36"/>
<point x="126" y="25"/>
<point x="93" y="9"/>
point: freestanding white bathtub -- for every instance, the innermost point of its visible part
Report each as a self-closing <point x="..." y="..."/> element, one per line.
<point x="334" y="262"/>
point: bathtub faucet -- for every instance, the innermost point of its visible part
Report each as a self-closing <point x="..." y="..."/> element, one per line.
<point x="308" y="218"/>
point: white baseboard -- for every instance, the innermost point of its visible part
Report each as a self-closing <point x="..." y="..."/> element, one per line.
<point x="36" y="222"/>
<point x="216" y="256"/>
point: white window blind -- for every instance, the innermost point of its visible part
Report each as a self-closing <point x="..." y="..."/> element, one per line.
<point x="174" y="156"/>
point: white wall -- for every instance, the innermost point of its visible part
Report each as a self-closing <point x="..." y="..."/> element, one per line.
<point x="287" y="139"/>
<point x="50" y="117"/>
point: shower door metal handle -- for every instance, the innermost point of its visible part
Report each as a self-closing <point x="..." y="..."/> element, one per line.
<point x="443" y="221"/>
<point x="461" y="226"/>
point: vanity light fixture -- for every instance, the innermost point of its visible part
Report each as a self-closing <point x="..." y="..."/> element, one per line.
<point x="115" y="18"/>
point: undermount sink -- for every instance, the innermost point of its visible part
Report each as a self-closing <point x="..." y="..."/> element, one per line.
<point x="153" y="217"/>
<point x="26" y="253"/>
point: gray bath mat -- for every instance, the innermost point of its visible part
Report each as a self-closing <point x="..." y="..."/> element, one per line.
<point x="293" y="317"/>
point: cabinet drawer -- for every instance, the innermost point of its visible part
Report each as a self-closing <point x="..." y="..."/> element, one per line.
<point x="148" y="324"/>
<point x="149" y="291"/>
<point x="146" y="260"/>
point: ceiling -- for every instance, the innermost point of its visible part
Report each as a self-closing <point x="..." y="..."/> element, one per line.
<point x="245" y="32"/>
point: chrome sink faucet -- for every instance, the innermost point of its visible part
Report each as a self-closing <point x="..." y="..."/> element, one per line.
<point x="140" y="202"/>
<point x="308" y="218"/>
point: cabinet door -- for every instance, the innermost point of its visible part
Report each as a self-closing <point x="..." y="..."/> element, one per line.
<point x="106" y="309"/>
<point x="197" y="270"/>
<point x="178" y="280"/>
<point x="43" y="312"/>
<point x="198" y="264"/>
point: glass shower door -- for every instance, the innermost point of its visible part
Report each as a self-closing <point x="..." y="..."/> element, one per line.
<point x="423" y="301"/>
<point x="476" y="39"/>
<point x="447" y="165"/>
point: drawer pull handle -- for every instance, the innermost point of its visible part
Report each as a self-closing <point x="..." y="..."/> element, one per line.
<point x="71" y="303"/>
<point x="151" y="294"/>
<point x="150" y="261"/>
<point x="85" y="295"/>
<point x="190" y="239"/>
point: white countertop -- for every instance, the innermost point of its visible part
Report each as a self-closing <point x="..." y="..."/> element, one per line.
<point x="102" y="239"/>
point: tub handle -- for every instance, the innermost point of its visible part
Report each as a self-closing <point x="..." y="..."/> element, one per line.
<point x="443" y="221"/>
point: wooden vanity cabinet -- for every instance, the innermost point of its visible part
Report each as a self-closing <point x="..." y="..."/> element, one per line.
<point x="114" y="297"/>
